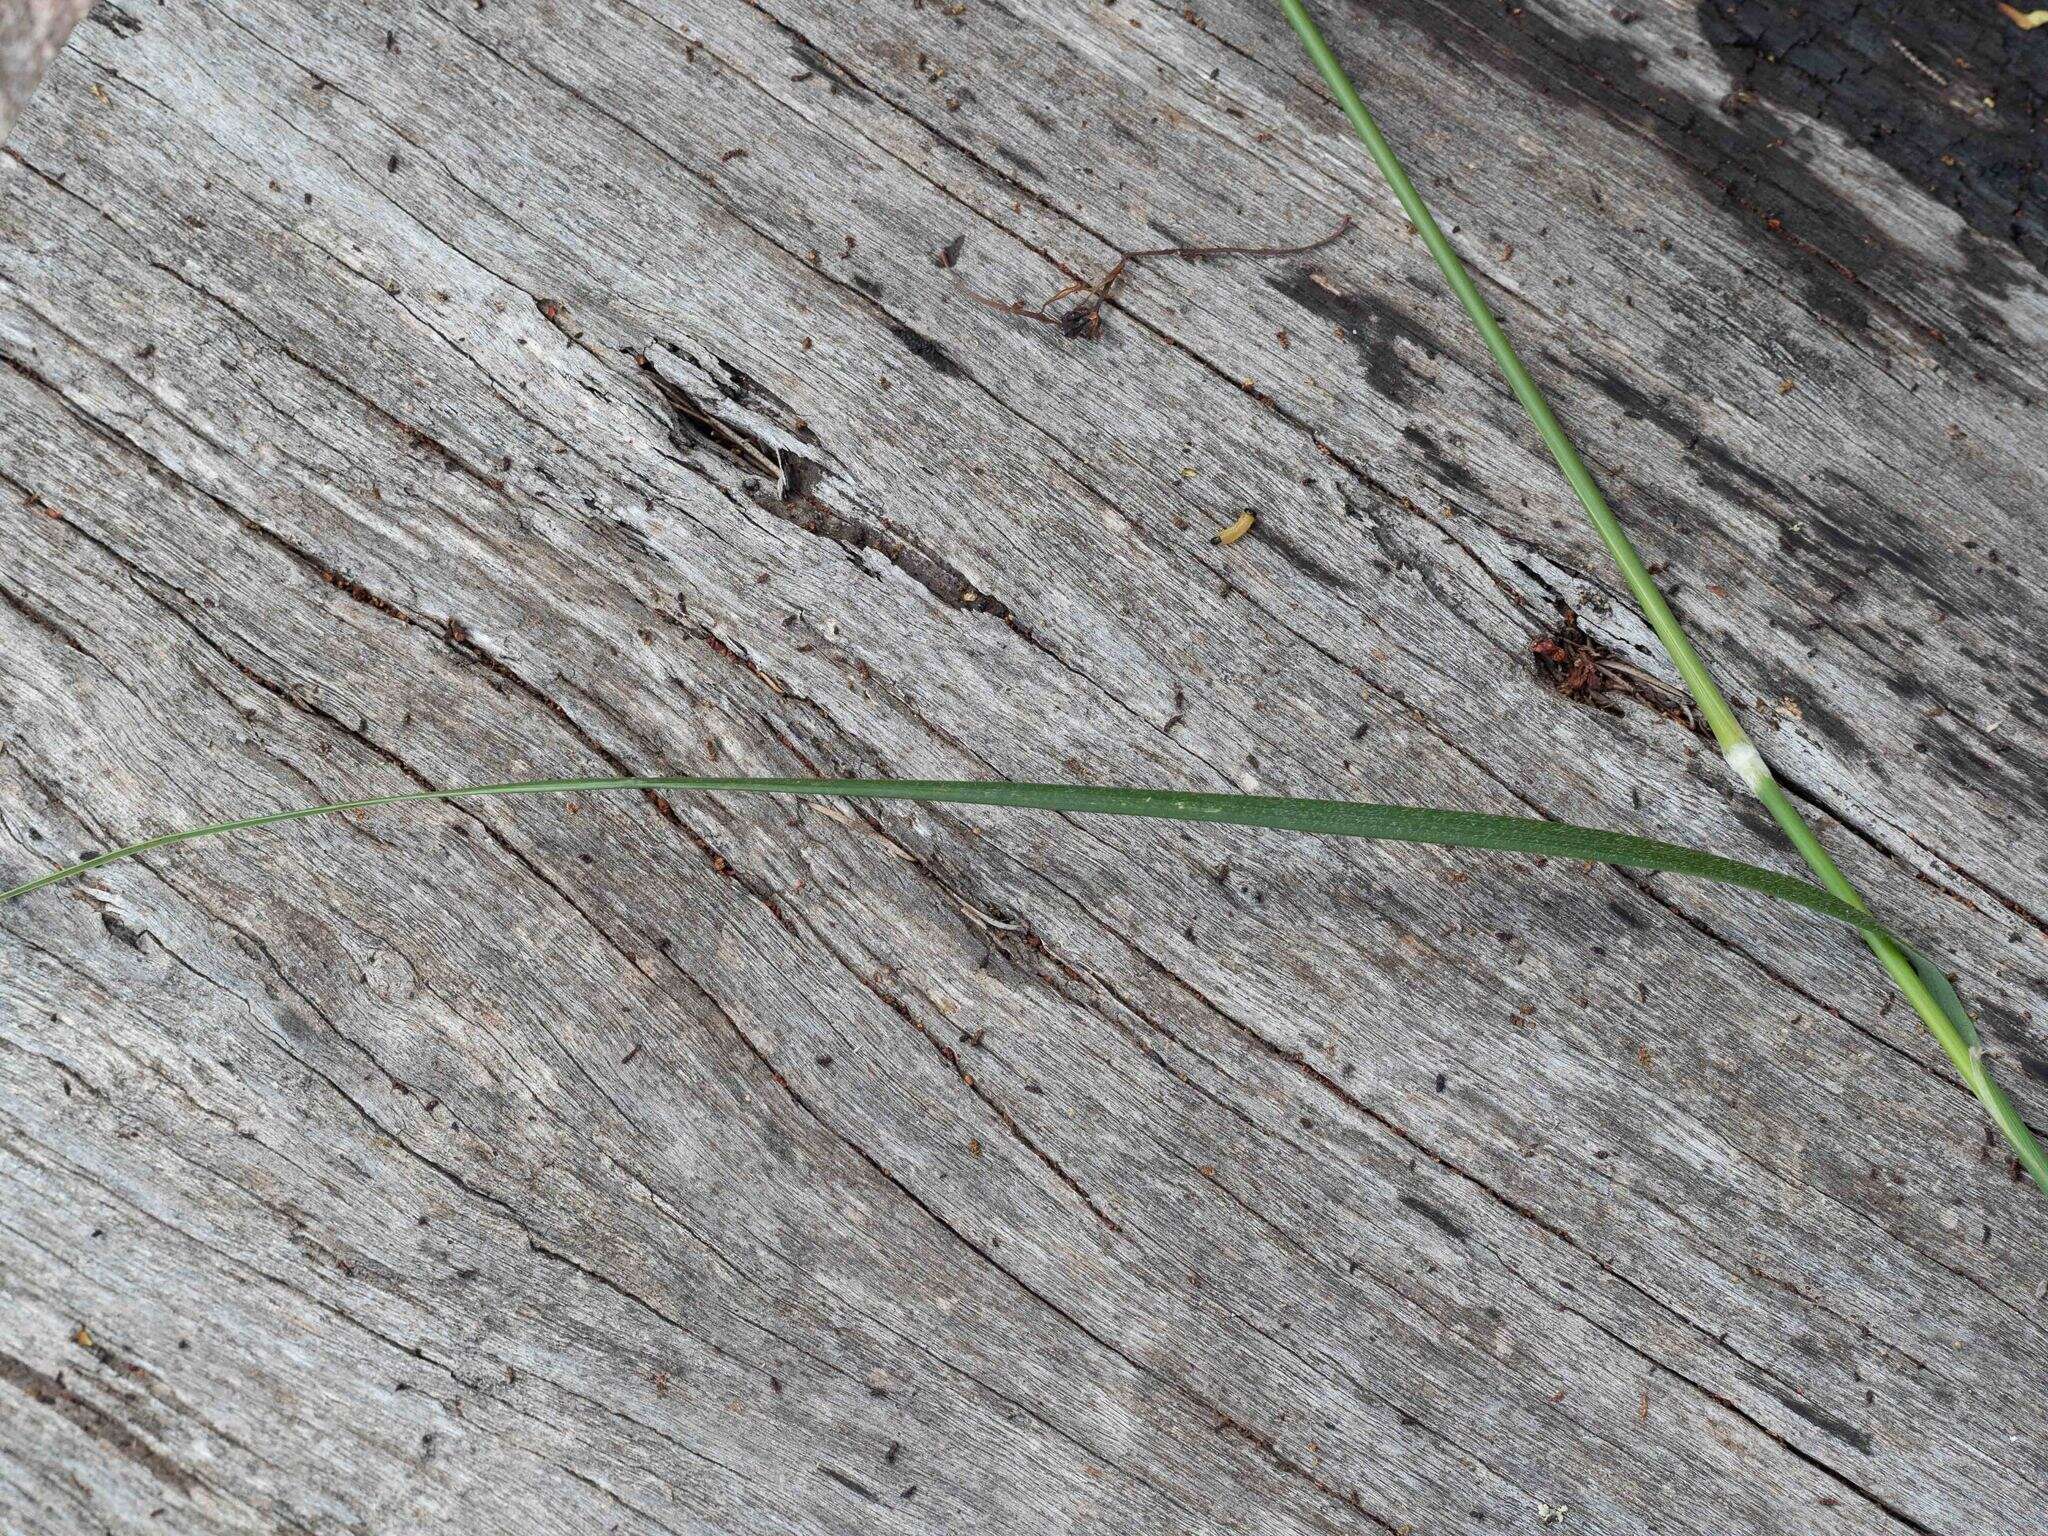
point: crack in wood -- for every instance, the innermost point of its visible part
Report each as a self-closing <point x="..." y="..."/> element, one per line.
<point x="50" y="1392"/>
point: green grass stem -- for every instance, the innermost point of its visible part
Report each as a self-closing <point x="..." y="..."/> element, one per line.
<point x="1938" y="1007"/>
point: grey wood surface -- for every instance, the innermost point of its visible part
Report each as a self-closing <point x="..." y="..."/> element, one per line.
<point x="31" y="32"/>
<point x="403" y="395"/>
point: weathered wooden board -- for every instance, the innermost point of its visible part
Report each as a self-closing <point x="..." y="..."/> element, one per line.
<point x="31" y="32"/>
<point x="390" y="398"/>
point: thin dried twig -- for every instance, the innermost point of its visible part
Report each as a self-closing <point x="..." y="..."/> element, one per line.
<point x="1084" y="320"/>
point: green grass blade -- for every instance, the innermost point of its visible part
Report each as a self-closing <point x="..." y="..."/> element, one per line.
<point x="1939" y="1008"/>
<point x="1327" y="818"/>
<point x="1968" y="1055"/>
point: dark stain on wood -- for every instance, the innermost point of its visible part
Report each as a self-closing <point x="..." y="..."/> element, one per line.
<point x="2033" y="1064"/>
<point x="1839" y="1429"/>
<point x="1023" y="163"/>
<point x="928" y="351"/>
<point x="1735" y="155"/>
<point x="1951" y="97"/>
<point x="51" y="1393"/>
<point x="1721" y="467"/>
<point x="1441" y="464"/>
<point x="115" y="20"/>
<point x="815" y="63"/>
<point x="1302" y="561"/>
<point x="1436" y="1217"/>
<point x="1370" y="324"/>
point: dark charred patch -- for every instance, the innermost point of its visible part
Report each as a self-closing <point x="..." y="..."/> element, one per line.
<point x="1436" y="1217"/>
<point x="1737" y="483"/>
<point x="1811" y="1350"/>
<point x="1838" y="533"/>
<point x="1860" y="525"/>
<point x="2003" y="1029"/>
<point x="1736" y="154"/>
<point x="2037" y="696"/>
<point x="925" y="350"/>
<point x="1629" y="919"/>
<point x="1843" y="536"/>
<point x="1735" y="157"/>
<point x="115" y="20"/>
<point x="1023" y="163"/>
<point x="1370" y="324"/>
<point x="1840" y="1429"/>
<point x="1720" y="466"/>
<point x="1634" y="403"/>
<point x="1745" y="808"/>
<point x="1833" y="546"/>
<point x="1829" y="725"/>
<point x="1834" y="301"/>
<point x="2015" y="777"/>
<point x="1993" y="271"/>
<point x="1909" y="687"/>
<point x="1951" y="97"/>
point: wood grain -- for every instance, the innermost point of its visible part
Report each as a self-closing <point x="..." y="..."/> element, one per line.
<point x="31" y="32"/>
<point x="401" y="395"/>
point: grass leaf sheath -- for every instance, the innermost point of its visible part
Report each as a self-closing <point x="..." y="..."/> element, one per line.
<point x="1931" y="995"/>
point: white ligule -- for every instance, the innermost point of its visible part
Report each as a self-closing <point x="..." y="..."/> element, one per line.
<point x="1749" y="765"/>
